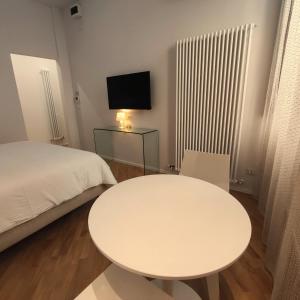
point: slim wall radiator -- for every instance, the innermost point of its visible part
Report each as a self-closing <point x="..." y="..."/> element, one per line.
<point x="211" y="81"/>
<point x="56" y="133"/>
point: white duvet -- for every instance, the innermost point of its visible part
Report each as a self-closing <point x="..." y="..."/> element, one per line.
<point x="35" y="177"/>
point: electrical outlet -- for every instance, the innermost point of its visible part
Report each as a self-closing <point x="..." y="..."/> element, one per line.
<point x="250" y="172"/>
<point x="241" y="181"/>
<point x="172" y="167"/>
<point x="238" y="181"/>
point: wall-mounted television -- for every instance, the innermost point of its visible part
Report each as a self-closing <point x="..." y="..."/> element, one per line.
<point x="129" y="91"/>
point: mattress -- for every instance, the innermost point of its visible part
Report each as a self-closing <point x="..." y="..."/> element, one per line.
<point x="35" y="177"/>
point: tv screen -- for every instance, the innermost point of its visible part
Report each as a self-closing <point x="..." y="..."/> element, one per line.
<point x="129" y="91"/>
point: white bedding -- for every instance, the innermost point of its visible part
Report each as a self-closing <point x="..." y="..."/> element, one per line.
<point x="35" y="177"/>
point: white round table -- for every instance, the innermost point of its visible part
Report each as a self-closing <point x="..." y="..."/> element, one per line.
<point x="170" y="227"/>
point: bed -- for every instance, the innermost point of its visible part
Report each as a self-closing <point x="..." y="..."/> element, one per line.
<point x="41" y="182"/>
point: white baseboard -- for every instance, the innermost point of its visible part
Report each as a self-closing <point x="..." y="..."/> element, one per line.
<point x="134" y="164"/>
<point x="240" y="188"/>
<point x="233" y="187"/>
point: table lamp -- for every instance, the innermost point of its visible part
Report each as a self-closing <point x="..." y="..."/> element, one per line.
<point x="121" y="118"/>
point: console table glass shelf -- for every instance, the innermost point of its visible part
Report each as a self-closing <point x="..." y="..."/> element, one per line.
<point x="134" y="146"/>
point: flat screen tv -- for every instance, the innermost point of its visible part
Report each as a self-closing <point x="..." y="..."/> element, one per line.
<point x="129" y="91"/>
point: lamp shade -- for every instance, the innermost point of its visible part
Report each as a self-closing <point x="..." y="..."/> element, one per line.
<point x="120" y="116"/>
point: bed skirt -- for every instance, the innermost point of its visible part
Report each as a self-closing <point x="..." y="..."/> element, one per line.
<point x="14" y="235"/>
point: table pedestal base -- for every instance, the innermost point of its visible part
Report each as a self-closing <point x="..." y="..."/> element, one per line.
<point x="177" y="289"/>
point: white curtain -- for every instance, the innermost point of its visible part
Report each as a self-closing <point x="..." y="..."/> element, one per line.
<point x="280" y="195"/>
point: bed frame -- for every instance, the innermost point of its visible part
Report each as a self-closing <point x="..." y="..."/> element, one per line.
<point x="14" y="235"/>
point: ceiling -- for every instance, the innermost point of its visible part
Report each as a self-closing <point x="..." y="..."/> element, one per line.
<point x="57" y="3"/>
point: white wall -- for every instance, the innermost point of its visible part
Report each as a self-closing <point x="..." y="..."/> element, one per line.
<point x="64" y="72"/>
<point x="27" y="70"/>
<point x="26" y="28"/>
<point x="116" y="37"/>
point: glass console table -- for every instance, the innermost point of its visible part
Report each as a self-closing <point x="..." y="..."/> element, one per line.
<point x="122" y="145"/>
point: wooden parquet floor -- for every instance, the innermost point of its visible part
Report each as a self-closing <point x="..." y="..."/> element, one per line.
<point x="59" y="261"/>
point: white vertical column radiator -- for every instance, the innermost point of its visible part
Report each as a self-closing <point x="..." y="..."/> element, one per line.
<point x="211" y="81"/>
<point x="56" y="133"/>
